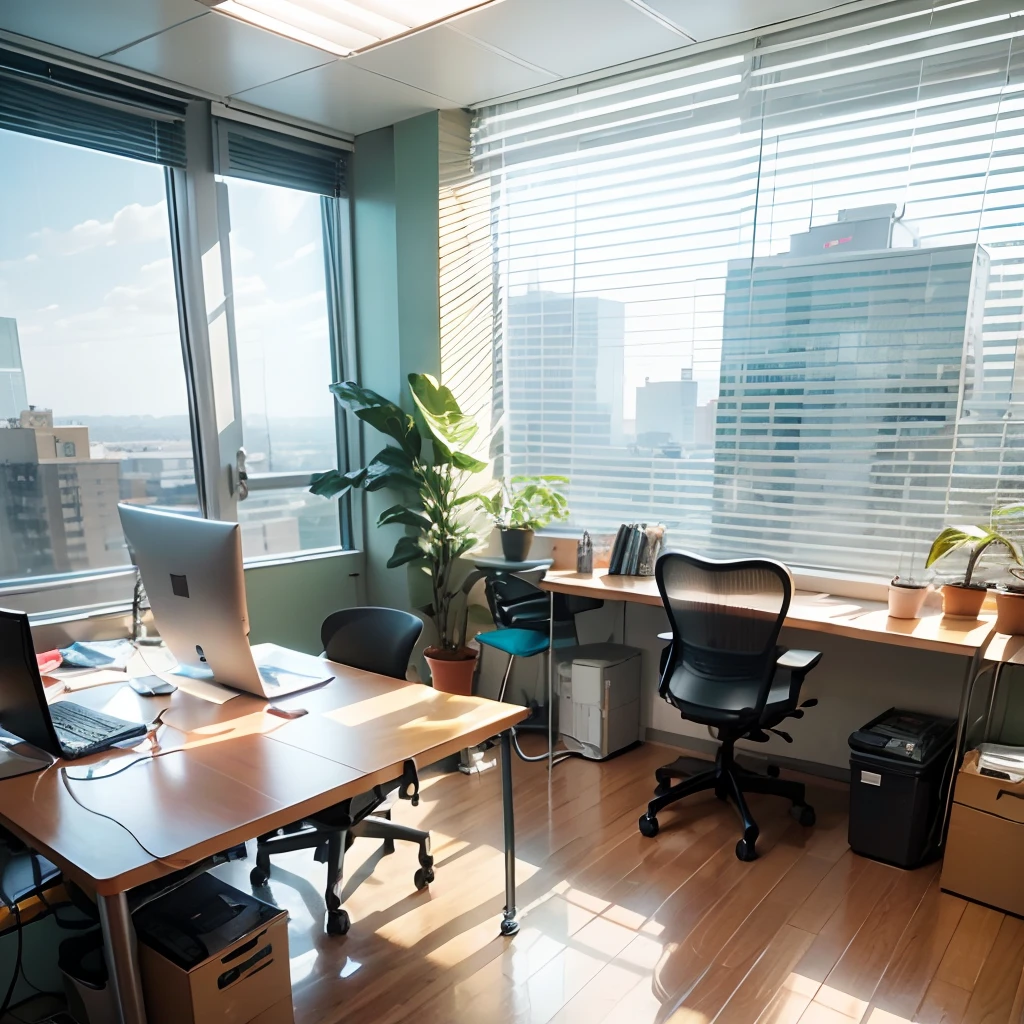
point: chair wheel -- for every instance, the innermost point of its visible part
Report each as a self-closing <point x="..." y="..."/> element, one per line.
<point x="805" y="814"/>
<point x="258" y="876"/>
<point x="648" y="825"/>
<point x="423" y="877"/>
<point x="745" y="850"/>
<point x="338" y="922"/>
<point x="773" y="771"/>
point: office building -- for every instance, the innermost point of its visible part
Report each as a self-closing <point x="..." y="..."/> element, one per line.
<point x="666" y="412"/>
<point x="13" y="397"/>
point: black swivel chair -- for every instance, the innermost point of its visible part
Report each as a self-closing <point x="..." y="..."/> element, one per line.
<point x="724" y="670"/>
<point x="376" y="640"/>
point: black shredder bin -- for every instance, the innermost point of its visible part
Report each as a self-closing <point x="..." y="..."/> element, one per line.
<point x="899" y="762"/>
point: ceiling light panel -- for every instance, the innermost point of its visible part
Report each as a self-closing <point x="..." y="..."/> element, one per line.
<point x="344" y="27"/>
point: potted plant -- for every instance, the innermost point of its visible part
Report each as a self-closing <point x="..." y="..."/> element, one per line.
<point x="906" y="597"/>
<point x="1010" y="605"/>
<point x="966" y="597"/>
<point x="523" y="505"/>
<point x="433" y="480"/>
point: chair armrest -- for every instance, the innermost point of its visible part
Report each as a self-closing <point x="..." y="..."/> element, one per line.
<point x="799" y="661"/>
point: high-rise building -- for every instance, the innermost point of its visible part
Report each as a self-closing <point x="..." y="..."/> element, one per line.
<point x="13" y="397"/>
<point x="58" y="506"/>
<point x="666" y="412"/>
<point x="843" y="387"/>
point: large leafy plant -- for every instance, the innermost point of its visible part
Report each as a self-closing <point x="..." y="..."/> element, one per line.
<point x="976" y="539"/>
<point x="527" y="503"/>
<point x="428" y="465"/>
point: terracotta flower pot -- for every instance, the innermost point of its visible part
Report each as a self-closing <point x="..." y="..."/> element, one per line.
<point x="963" y="602"/>
<point x="1009" y="613"/>
<point x="906" y="602"/>
<point x="515" y="544"/>
<point x="451" y="671"/>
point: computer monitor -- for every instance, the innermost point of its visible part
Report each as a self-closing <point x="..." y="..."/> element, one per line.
<point x="192" y="571"/>
<point x="23" y="709"/>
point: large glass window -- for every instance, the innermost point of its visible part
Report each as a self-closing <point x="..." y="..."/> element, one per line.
<point x="93" y="401"/>
<point x="771" y="296"/>
<point x="283" y="342"/>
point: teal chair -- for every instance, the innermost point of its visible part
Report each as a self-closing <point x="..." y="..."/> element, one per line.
<point x="523" y="616"/>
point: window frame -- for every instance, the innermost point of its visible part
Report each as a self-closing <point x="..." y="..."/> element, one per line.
<point x="200" y="255"/>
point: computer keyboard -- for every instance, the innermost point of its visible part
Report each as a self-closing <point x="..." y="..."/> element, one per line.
<point x="82" y="730"/>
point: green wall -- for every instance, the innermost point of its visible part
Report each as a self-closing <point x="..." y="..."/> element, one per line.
<point x="395" y="268"/>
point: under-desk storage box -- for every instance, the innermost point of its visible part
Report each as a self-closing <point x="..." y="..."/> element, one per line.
<point x="210" y="953"/>
<point x="599" y="699"/>
<point x="985" y="843"/>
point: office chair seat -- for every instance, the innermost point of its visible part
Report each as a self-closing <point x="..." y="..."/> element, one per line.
<point x="517" y="643"/>
<point x="723" y="669"/>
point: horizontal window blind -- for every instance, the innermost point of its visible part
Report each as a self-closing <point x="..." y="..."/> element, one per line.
<point x="245" y="151"/>
<point x="695" y="332"/>
<point x="65" y="106"/>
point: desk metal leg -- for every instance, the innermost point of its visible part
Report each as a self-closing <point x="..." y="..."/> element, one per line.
<point x="122" y="958"/>
<point x="551" y="680"/>
<point x="973" y="674"/>
<point x="509" y="924"/>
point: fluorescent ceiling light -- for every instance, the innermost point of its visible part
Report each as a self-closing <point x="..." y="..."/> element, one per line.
<point x="344" y="27"/>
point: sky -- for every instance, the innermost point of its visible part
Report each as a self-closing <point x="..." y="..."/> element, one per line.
<point x="85" y="269"/>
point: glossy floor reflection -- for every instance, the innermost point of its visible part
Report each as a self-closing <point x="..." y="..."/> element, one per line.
<point x="618" y="929"/>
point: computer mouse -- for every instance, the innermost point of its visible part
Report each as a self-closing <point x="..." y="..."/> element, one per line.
<point x="151" y="686"/>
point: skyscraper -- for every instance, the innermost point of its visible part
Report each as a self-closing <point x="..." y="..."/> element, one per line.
<point x="13" y="397"/>
<point x="843" y="386"/>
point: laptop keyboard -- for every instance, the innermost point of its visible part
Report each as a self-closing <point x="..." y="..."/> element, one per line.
<point x="83" y="730"/>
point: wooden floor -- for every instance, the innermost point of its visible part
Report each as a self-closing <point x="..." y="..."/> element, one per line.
<point x="618" y="928"/>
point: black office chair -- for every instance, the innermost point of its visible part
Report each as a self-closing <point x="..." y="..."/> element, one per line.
<point x="721" y="670"/>
<point x="377" y="640"/>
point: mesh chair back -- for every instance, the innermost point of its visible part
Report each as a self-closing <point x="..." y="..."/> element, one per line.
<point x="373" y="639"/>
<point x="726" y="617"/>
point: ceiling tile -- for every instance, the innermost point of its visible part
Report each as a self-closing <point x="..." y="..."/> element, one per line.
<point x="704" y="20"/>
<point x="344" y="97"/>
<point x="445" y="63"/>
<point x="220" y="55"/>
<point x="569" y="37"/>
<point x="94" y="28"/>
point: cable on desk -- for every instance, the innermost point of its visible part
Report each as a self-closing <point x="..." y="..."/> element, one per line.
<point x="102" y="814"/>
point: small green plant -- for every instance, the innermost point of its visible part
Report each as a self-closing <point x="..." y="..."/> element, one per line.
<point x="527" y="503"/>
<point x="433" y="479"/>
<point x="977" y="539"/>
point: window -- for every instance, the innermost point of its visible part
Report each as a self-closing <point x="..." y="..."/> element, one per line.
<point x="93" y="401"/>
<point x="771" y="296"/>
<point x="283" y="343"/>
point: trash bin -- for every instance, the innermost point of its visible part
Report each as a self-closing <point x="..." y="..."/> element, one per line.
<point x="84" y="971"/>
<point x="899" y="764"/>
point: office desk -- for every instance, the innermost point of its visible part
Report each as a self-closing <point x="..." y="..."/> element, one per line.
<point x="826" y="613"/>
<point x="225" y="773"/>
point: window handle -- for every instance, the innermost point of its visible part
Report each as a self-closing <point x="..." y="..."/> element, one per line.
<point x="238" y="478"/>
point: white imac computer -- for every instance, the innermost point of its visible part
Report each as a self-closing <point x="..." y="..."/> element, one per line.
<point x="192" y="571"/>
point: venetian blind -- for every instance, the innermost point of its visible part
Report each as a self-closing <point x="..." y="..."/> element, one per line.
<point x="700" y="322"/>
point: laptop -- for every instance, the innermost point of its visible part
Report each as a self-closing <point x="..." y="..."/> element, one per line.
<point x="64" y="729"/>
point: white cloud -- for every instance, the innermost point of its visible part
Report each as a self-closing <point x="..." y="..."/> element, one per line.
<point x="132" y="223"/>
<point x="300" y="254"/>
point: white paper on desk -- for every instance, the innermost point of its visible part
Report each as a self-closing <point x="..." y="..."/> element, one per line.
<point x="75" y="679"/>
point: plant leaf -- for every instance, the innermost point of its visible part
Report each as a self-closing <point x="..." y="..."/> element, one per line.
<point x="468" y="464"/>
<point x="390" y="467"/>
<point x="406" y="550"/>
<point x="448" y="424"/>
<point x="403" y="516"/>
<point x="331" y="483"/>
<point x="952" y="538"/>
<point x="379" y="412"/>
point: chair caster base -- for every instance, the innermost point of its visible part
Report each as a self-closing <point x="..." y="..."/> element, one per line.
<point x="509" y="926"/>
<point x="648" y="825"/>
<point x="388" y="847"/>
<point x="804" y="814"/>
<point x="258" y="877"/>
<point x="338" y="922"/>
<point x="423" y="877"/>
<point x="745" y="850"/>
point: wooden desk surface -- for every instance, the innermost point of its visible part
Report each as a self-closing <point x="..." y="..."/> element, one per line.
<point x="822" y="613"/>
<point x="228" y="772"/>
